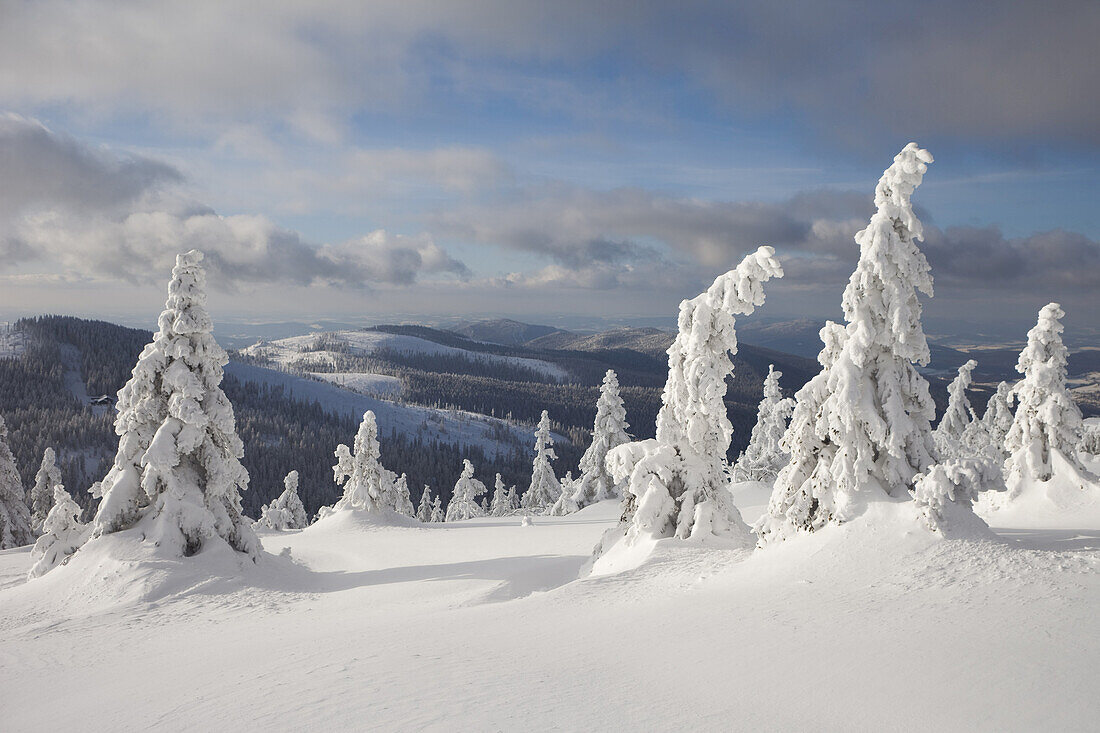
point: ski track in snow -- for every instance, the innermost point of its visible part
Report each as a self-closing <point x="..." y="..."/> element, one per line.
<point x="480" y="625"/>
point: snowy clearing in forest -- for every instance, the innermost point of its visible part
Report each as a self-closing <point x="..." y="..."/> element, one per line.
<point x="446" y="426"/>
<point x="365" y="343"/>
<point x="482" y="625"/>
<point x="377" y="384"/>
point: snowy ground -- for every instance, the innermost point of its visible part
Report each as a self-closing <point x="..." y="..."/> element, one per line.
<point x="382" y="385"/>
<point x="295" y="348"/>
<point x="480" y="625"/>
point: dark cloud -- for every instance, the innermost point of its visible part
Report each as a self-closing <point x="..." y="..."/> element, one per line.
<point x="985" y="258"/>
<point x="1009" y="70"/>
<point x="585" y="232"/>
<point x="42" y="168"/>
<point x="95" y="213"/>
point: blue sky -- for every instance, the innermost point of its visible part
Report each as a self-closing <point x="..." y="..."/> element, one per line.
<point x="542" y="161"/>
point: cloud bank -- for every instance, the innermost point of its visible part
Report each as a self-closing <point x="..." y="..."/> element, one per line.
<point x="96" y="214"/>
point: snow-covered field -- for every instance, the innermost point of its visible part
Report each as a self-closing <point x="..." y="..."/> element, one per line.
<point x="298" y="348"/>
<point x="482" y="625"/>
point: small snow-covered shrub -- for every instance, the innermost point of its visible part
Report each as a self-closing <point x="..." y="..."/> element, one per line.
<point x="946" y="492"/>
<point x="286" y="510"/>
<point x="62" y="534"/>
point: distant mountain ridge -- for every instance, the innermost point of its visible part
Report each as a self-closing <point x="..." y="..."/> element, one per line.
<point x="504" y="331"/>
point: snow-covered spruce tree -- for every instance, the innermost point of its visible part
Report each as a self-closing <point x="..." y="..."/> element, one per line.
<point x="48" y="476"/>
<point x="988" y="433"/>
<point x="565" y="503"/>
<point x="404" y="500"/>
<point x="463" y="503"/>
<point x="861" y="428"/>
<point x="177" y="474"/>
<point x="62" y="534"/>
<point x="676" y="484"/>
<point x="1047" y="420"/>
<point x="504" y="499"/>
<point x="15" y="516"/>
<point x="958" y="416"/>
<point x="424" y="510"/>
<point x="437" y="510"/>
<point x="367" y="484"/>
<point x="608" y="431"/>
<point x="763" y="457"/>
<point x="544" y="489"/>
<point x="286" y="511"/>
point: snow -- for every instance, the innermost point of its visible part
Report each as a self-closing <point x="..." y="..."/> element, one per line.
<point x="382" y="385"/>
<point x="448" y="426"/>
<point x="365" y="343"/>
<point x="1070" y="499"/>
<point x="907" y="631"/>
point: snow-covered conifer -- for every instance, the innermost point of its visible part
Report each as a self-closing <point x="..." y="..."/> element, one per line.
<point x="763" y="457"/>
<point x="177" y="472"/>
<point x="15" y="515"/>
<point x="565" y="504"/>
<point x="504" y="500"/>
<point x="424" y="510"/>
<point x="286" y="510"/>
<point x="62" y="534"/>
<point x="368" y="485"/>
<point x="1047" y="420"/>
<point x="48" y="476"/>
<point x="958" y="416"/>
<point x="608" y="431"/>
<point x="463" y="503"/>
<point x="544" y="489"/>
<point x="404" y="500"/>
<point x="999" y="415"/>
<point x="437" y="510"/>
<point x="677" y="483"/>
<point x="861" y="428"/>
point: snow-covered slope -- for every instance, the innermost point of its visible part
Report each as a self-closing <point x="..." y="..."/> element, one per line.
<point x="448" y="426"/>
<point x="299" y="348"/>
<point x="480" y="625"/>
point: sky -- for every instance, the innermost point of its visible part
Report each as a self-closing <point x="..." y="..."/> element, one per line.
<point x="562" y="163"/>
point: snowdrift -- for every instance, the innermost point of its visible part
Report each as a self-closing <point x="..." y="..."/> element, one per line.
<point x="1069" y="500"/>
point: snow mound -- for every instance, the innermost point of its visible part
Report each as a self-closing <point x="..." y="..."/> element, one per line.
<point x="1070" y="499"/>
<point x="361" y="520"/>
<point x="123" y="569"/>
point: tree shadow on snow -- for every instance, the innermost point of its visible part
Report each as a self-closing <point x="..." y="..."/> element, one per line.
<point x="519" y="576"/>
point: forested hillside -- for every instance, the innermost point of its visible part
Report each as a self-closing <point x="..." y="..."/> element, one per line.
<point x="44" y="394"/>
<point x="279" y="433"/>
